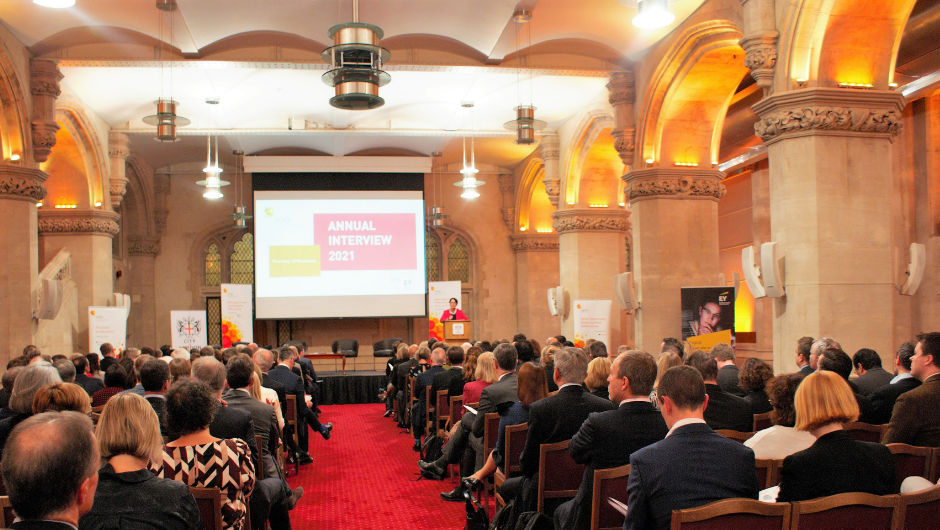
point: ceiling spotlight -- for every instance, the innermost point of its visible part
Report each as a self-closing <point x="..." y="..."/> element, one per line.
<point x="653" y="14"/>
<point x="57" y="4"/>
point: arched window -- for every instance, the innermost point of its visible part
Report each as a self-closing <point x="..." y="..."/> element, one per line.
<point x="213" y="266"/>
<point x="458" y="262"/>
<point x="243" y="261"/>
<point x="432" y="252"/>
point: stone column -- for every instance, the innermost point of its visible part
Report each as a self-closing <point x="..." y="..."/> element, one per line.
<point x="142" y="321"/>
<point x="591" y="245"/>
<point x="550" y="152"/>
<point x="118" y="151"/>
<point x="675" y="243"/>
<point x="622" y="98"/>
<point x="20" y="189"/>
<point x="508" y="189"/>
<point x="536" y="272"/>
<point x="830" y="177"/>
<point x="760" y="230"/>
<point x="760" y="41"/>
<point x="44" y="87"/>
<point x="88" y="235"/>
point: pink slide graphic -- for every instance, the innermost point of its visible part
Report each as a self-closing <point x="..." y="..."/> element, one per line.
<point x="359" y="242"/>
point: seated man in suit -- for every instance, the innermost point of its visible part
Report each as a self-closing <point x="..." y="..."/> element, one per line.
<point x="293" y="384"/>
<point x="556" y="418"/>
<point x="836" y="360"/>
<point x="916" y="417"/>
<point x="803" y="355"/>
<point x="883" y="400"/>
<point x="82" y="379"/>
<point x="265" y="360"/>
<point x="607" y="439"/>
<point x="66" y="463"/>
<point x="422" y="382"/>
<point x="724" y="411"/>
<point x="450" y="379"/>
<point x="692" y="466"/>
<point x="467" y="441"/>
<point x="727" y="371"/>
<point x="871" y="376"/>
<point x="155" y="378"/>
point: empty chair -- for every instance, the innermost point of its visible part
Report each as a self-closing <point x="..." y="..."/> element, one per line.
<point x="846" y="510"/>
<point x="733" y="514"/>
<point x="382" y="348"/>
<point x="910" y="461"/>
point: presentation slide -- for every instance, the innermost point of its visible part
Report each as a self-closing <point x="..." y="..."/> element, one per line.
<point x="330" y="254"/>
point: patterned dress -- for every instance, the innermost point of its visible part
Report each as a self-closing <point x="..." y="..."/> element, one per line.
<point x="225" y="464"/>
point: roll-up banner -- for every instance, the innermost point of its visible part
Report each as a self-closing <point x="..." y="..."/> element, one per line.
<point x="107" y="324"/>
<point x="592" y="321"/>
<point x="707" y="316"/>
<point x="439" y="295"/>
<point x="189" y="329"/>
<point x="237" y="314"/>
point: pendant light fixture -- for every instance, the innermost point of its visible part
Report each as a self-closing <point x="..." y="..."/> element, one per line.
<point x="356" y="61"/>
<point x="469" y="182"/>
<point x="213" y="171"/>
<point x="653" y="14"/>
<point x="166" y="120"/>
<point x="239" y="216"/>
<point x="525" y="123"/>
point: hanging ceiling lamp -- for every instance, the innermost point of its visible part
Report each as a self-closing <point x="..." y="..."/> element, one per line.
<point x="166" y="119"/>
<point x="525" y="123"/>
<point x="213" y="182"/>
<point x="436" y="215"/>
<point x="356" y="64"/>
<point x="469" y="182"/>
<point x="653" y="14"/>
<point x="239" y="216"/>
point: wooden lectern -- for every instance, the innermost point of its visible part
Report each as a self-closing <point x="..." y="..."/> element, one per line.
<point x="456" y="330"/>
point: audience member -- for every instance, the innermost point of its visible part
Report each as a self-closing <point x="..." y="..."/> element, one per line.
<point x="687" y="349"/>
<point x="66" y="370"/>
<point x="94" y="367"/>
<point x="82" y="379"/>
<point x="753" y="380"/>
<point x="227" y="422"/>
<point x="483" y="376"/>
<point x="836" y="360"/>
<point x="607" y="439"/>
<point x="692" y="466"/>
<point x="916" y="417"/>
<point x="9" y="377"/>
<point x="548" y="362"/>
<point x="114" y="380"/>
<point x="266" y="395"/>
<point x="28" y="382"/>
<point x="131" y="384"/>
<point x="51" y="485"/>
<point x="293" y="384"/>
<point x="622" y="349"/>
<point x="128" y="494"/>
<point x="60" y="397"/>
<point x="107" y="357"/>
<point x="871" y="376"/>
<point x="803" y="355"/>
<point x="728" y="374"/>
<point x="525" y="351"/>
<point x="155" y="378"/>
<point x="836" y="462"/>
<point x="781" y="440"/>
<point x="724" y="410"/>
<point x="422" y="382"/>
<point x="180" y="368"/>
<point x="451" y="380"/>
<point x="671" y="341"/>
<point x="596" y="349"/>
<point x="597" y="373"/>
<point x="883" y="400"/>
<point x="818" y="347"/>
<point x="666" y="361"/>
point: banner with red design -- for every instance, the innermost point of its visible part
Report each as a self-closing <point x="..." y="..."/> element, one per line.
<point x="237" y="318"/>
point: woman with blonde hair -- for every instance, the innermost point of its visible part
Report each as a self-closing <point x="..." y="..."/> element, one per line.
<point x="598" y="371"/>
<point x="836" y="462"/>
<point x="548" y="362"/>
<point x="59" y="397"/>
<point x="666" y="361"/>
<point x="128" y="494"/>
<point x="266" y="395"/>
<point x="485" y="376"/>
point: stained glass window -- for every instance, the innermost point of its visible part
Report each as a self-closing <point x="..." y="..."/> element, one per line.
<point x="458" y="262"/>
<point x="432" y="251"/>
<point x="214" y="320"/>
<point x="243" y="261"/>
<point x="213" y="266"/>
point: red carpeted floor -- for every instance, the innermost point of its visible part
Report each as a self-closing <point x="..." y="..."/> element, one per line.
<point x="363" y="478"/>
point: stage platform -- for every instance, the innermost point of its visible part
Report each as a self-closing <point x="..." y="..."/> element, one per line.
<point x="354" y="388"/>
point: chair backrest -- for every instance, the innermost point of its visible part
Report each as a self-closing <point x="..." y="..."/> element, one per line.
<point x="910" y="461"/>
<point x="514" y="441"/>
<point x="348" y="347"/>
<point x="490" y="431"/>
<point x="918" y="510"/>
<point x="846" y="510"/>
<point x="455" y="411"/>
<point x="768" y="472"/>
<point x="865" y="432"/>
<point x="763" y="421"/>
<point x="559" y="475"/>
<point x="260" y="443"/>
<point x="209" y="501"/>
<point x="7" y="512"/>
<point x="935" y="466"/>
<point x="737" y="436"/>
<point x="427" y="408"/>
<point x="609" y="483"/>
<point x="733" y="514"/>
<point x="442" y="409"/>
<point x="290" y="414"/>
<point x="390" y="343"/>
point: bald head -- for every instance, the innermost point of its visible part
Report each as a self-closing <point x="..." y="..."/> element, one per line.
<point x="264" y="359"/>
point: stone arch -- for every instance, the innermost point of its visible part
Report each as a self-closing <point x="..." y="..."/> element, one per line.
<point x="827" y="42"/>
<point x="446" y="236"/>
<point x="531" y="179"/>
<point x="15" y="131"/>
<point x="675" y="84"/>
<point x="224" y="235"/>
<point x="76" y="124"/>
<point x="137" y="208"/>
<point x="591" y="126"/>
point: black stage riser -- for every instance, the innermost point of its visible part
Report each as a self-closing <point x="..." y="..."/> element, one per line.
<point x="351" y="389"/>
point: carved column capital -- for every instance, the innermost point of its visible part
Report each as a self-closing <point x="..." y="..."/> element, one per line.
<point x="118" y="151"/>
<point x="551" y="152"/>
<point x="761" y="56"/>
<point x="72" y="222"/>
<point x="830" y="112"/>
<point x="590" y="219"/>
<point x="44" y="87"/>
<point x="625" y="143"/>
<point x="44" y="78"/>
<point x="22" y="183"/>
<point x="534" y="242"/>
<point x="508" y="188"/>
<point x="621" y="89"/>
<point x="674" y="183"/>
<point x="143" y="246"/>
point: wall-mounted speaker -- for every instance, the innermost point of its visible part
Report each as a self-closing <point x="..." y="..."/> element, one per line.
<point x="556" y="301"/>
<point x="915" y="269"/>
<point x="625" y="292"/>
<point x="751" y="272"/>
<point x="50" y="299"/>
<point x="765" y="280"/>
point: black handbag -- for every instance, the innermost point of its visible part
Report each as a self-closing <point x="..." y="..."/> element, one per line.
<point x="477" y="518"/>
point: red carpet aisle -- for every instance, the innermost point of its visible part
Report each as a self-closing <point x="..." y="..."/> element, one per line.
<point x="359" y="479"/>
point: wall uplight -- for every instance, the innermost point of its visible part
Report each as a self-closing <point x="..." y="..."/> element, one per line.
<point x="98" y="204"/>
<point x="14" y="157"/>
<point x="544" y="230"/>
<point x="522" y="229"/>
<point x="65" y="206"/>
<point x="649" y="160"/>
<point x="39" y="204"/>
<point x="686" y="164"/>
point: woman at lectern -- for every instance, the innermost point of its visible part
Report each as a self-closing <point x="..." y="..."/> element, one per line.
<point x="453" y="313"/>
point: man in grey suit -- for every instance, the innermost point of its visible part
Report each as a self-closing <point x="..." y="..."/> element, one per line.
<point x="692" y="466"/>
<point x="871" y="376"/>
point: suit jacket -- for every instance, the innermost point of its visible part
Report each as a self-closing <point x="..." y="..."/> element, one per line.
<point x="105" y="363"/>
<point x="159" y="406"/>
<point x="728" y="380"/>
<point x="269" y="382"/>
<point x="806" y="369"/>
<point x="727" y="411"/>
<point x="401" y="373"/>
<point x="916" y="417"/>
<point x="40" y="525"/>
<point x="606" y="440"/>
<point x="499" y="392"/>
<point x="425" y="379"/>
<point x="883" y="400"/>
<point x="90" y="384"/>
<point x="293" y="385"/>
<point x="873" y="379"/>
<point x="556" y="419"/>
<point x="835" y="464"/>
<point x="691" y="467"/>
<point x="449" y="380"/>
<point x="264" y="421"/>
